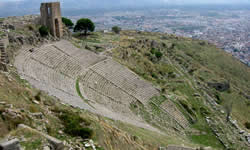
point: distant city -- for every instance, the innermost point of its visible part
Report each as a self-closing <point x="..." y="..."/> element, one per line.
<point x="229" y="29"/>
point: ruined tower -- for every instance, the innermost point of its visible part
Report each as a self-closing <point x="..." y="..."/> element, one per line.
<point x="51" y="18"/>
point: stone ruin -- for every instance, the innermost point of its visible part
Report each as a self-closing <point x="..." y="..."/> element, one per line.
<point x="55" y="143"/>
<point x="51" y="18"/>
<point x="10" y="145"/>
<point x="14" y="144"/>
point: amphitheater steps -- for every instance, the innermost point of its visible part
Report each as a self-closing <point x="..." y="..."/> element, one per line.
<point x="84" y="57"/>
<point x="103" y="86"/>
<point x="108" y="85"/>
<point x="125" y="79"/>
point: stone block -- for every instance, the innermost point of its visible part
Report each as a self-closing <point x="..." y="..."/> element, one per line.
<point x="173" y="147"/>
<point x="57" y="144"/>
<point x="10" y="145"/>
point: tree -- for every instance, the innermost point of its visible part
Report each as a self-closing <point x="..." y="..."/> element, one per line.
<point x="84" y="25"/>
<point x="67" y="22"/>
<point x="116" y="29"/>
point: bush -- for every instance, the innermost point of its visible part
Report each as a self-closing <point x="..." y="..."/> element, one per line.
<point x="38" y="96"/>
<point x="158" y="54"/>
<point x="247" y="125"/>
<point x="116" y="29"/>
<point x="74" y="125"/>
<point x="44" y="31"/>
<point x="153" y="51"/>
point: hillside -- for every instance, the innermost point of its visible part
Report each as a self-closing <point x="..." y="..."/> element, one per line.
<point x="133" y="90"/>
<point x="200" y="79"/>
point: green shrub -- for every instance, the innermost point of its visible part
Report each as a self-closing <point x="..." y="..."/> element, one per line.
<point x="153" y="50"/>
<point x="38" y="96"/>
<point x="158" y="54"/>
<point x="44" y="31"/>
<point x="74" y="125"/>
<point x="247" y="125"/>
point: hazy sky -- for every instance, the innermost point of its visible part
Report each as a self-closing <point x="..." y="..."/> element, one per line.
<point x="147" y="1"/>
<point x="21" y="7"/>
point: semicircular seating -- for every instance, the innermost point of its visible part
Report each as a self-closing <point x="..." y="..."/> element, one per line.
<point x="56" y="67"/>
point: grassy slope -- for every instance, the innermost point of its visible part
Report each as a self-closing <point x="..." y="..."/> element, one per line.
<point x="214" y="64"/>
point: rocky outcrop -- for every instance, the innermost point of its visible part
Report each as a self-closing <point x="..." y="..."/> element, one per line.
<point x="248" y="138"/>
<point x="10" y="145"/>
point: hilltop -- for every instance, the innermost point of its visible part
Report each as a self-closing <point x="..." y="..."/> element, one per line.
<point x="139" y="90"/>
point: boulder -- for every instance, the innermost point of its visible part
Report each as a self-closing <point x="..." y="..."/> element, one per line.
<point x="248" y="138"/>
<point x="241" y="132"/>
<point x="9" y="26"/>
<point x="37" y="115"/>
<point x="154" y="44"/>
<point x="10" y="145"/>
